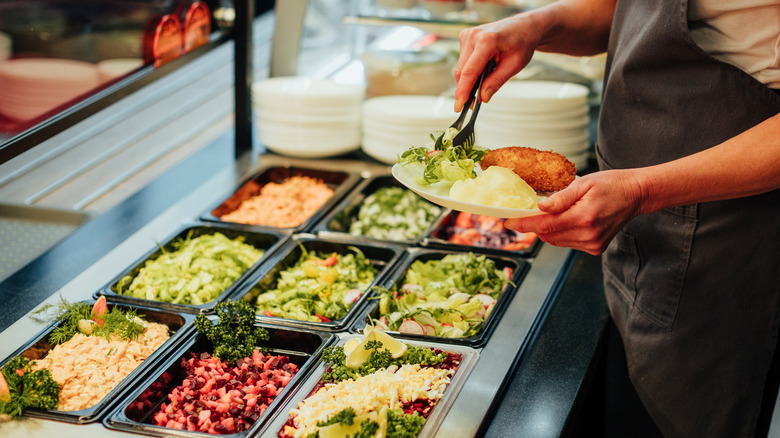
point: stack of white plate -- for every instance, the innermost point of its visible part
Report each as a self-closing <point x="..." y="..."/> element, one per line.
<point x="544" y="115"/>
<point x="393" y="124"/>
<point x="5" y="46"/>
<point x="110" y="69"/>
<point x="34" y="86"/>
<point x="301" y="117"/>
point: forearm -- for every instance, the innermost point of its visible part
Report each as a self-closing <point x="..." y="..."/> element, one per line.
<point x="574" y="27"/>
<point x="745" y="165"/>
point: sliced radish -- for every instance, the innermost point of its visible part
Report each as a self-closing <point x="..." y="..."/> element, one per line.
<point x="486" y="300"/>
<point x="429" y="330"/>
<point x="352" y="295"/>
<point x="411" y="327"/>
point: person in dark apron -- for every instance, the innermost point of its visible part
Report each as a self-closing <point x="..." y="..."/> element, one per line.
<point x="685" y="209"/>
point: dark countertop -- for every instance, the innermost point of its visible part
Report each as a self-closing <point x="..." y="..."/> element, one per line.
<point x="550" y="391"/>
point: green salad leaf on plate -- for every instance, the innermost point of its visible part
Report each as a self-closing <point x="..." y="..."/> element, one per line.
<point x="439" y="160"/>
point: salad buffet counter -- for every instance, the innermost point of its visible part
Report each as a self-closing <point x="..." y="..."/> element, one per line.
<point x="519" y="326"/>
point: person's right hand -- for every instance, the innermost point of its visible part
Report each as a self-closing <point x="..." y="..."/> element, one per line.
<point x="510" y="41"/>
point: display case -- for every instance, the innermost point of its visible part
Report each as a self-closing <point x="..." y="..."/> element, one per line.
<point x="106" y="245"/>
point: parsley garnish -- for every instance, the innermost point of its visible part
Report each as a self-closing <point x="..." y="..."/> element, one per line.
<point x="32" y="389"/>
<point x="235" y="335"/>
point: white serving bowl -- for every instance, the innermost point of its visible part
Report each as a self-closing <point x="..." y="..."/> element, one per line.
<point x="527" y="112"/>
<point x="382" y="151"/>
<point x="297" y="119"/>
<point x="539" y="96"/>
<point x="533" y="132"/>
<point x="411" y="110"/>
<point x="491" y="140"/>
<point x="5" y="46"/>
<point x="372" y="126"/>
<point x="395" y="141"/>
<point x="580" y="160"/>
<point x="310" y="132"/>
<point x="292" y="90"/>
<point x="34" y="86"/>
<point x="111" y="69"/>
<point x="49" y="73"/>
<point x="304" y="147"/>
<point x="578" y="117"/>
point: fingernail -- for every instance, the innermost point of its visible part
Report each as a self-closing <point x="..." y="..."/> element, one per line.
<point x="488" y="94"/>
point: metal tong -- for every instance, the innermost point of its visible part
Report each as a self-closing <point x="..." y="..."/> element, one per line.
<point x="466" y="135"/>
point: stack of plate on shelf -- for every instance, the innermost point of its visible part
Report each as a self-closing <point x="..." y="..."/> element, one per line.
<point x="34" y="86"/>
<point x="542" y="114"/>
<point x="110" y="69"/>
<point x="301" y="117"/>
<point x="393" y="124"/>
<point x="5" y="46"/>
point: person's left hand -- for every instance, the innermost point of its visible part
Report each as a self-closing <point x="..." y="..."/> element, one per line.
<point x="587" y="214"/>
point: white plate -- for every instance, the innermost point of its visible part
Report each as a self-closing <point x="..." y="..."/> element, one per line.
<point x="303" y="90"/>
<point x="440" y="196"/>
<point x="411" y="110"/>
<point x="540" y="95"/>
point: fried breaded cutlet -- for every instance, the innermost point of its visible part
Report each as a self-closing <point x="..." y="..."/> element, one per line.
<point x="544" y="171"/>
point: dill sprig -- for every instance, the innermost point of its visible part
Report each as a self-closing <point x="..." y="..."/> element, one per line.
<point x="79" y="318"/>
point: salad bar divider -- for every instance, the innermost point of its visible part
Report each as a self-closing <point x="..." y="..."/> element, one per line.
<point x="310" y="290"/>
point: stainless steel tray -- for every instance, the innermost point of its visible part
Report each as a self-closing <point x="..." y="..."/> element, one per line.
<point x="134" y="413"/>
<point x="341" y="182"/>
<point x="383" y="256"/>
<point x="519" y="269"/>
<point x="266" y="240"/>
<point x="338" y="222"/>
<point x="438" y="413"/>
<point x="39" y="346"/>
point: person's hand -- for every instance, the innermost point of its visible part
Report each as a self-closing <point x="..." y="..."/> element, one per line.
<point x="587" y="214"/>
<point x="511" y="42"/>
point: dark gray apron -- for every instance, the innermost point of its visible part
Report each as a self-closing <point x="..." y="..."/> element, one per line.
<point x="695" y="290"/>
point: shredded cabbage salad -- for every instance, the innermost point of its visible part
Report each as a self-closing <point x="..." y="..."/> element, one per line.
<point x="450" y="297"/>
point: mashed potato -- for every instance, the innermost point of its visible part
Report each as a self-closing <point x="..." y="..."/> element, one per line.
<point x="495" y="187"/>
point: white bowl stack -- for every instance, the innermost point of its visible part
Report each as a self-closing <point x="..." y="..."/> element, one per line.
<point x="5" y="46"/>
<point x="305" y="118"/>
<point x="544" y="115"/>
<point x="34" y="86"/>
<point x="393" y="124"/>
